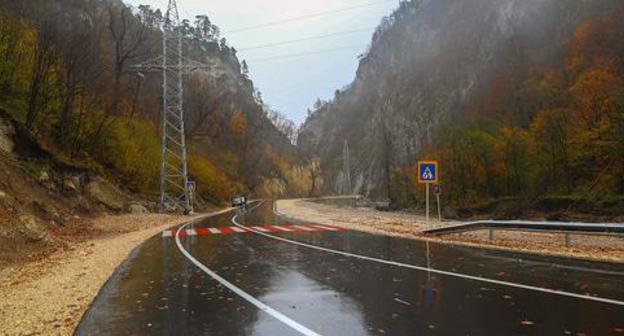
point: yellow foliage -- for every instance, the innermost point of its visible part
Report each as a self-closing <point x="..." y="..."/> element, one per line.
<point x="211" y="183"/>
<point x="134" y="151"/>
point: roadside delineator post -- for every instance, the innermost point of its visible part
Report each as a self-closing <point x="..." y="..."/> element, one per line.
<point x="438" y="189"/>
<point x="427" y="174"/>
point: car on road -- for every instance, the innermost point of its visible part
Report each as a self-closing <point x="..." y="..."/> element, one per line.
<point x="239" y="201"/>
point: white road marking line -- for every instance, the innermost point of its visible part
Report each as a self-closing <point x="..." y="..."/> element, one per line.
<point x="265" y="308"/>
<point x="447" y="273"/>
<point x="191" y="232"/>
<point x="167" y="233"/>
<point x="304" y="228"/>
<point x="281" y="228"/>
<point x="237" y="229"/>
<point x="214" y="230"/>
<point x="260" y="228"/>
<point x="325" y="227"/>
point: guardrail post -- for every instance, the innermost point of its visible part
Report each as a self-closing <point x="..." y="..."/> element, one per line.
<point x="491" y="234"/>
<point x="567" y="239"/>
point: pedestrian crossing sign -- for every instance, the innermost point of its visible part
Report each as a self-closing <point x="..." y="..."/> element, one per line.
<point x="428" y="172"/>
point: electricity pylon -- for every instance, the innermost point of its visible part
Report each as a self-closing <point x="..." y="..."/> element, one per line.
<point x="346" y="169"/>
<point x="174" y="180"/>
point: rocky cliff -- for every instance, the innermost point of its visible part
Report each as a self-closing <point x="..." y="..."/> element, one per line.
<point x="431" y="64"/>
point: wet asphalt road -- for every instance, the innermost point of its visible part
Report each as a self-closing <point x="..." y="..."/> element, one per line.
<point x="158" y="291"/>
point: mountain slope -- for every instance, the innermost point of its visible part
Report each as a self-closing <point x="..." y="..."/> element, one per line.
<point x="434" y="65"/>
<point x="66" y="74"/>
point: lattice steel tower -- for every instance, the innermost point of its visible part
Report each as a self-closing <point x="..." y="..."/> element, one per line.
<point x="346" y="169"/>
<point x="174" y="180"/>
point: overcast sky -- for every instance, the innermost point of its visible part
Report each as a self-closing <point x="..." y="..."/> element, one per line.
<point x="291" y="85"/>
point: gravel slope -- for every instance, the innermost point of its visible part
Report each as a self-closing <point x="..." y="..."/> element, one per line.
<point x="409" y="225"/>
<point x="49" y="296"/>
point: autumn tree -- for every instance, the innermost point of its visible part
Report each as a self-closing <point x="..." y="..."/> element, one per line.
<point x="129" y="37"/>
<point x="238" y="124"/>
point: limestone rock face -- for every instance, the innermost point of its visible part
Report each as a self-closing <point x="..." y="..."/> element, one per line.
<point x="430" y="64"/>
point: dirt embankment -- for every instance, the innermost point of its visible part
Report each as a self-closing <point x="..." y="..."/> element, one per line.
<point x="48" y="296"/>
<point x="409" y="226"/>
<point x="46" y="197"/>
<point x="59" y="239"/>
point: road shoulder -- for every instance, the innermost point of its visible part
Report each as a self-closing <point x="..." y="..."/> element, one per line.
<point x="49" y="296"/>
<point x="405" y="225"/>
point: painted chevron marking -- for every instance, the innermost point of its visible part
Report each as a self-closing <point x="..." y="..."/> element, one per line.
<point x="281" y="228"/>
<point x="303" y="228"/>
<point x="222" y="230"/>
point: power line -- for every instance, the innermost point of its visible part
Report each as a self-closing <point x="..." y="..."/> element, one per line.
<point x="308" y="16"/>
<point x="306" y="39"/>
<point x="280" y="57"/>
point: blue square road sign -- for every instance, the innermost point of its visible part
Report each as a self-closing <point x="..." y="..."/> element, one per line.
<point x="427" y="172"/>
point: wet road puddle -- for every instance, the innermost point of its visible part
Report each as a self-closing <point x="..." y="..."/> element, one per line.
<point x="222" y="230"/>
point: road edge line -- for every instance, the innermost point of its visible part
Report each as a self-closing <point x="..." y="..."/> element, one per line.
<point x="249" y="298"/>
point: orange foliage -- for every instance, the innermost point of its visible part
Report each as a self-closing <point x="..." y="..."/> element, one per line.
<point x="238" y="124"/>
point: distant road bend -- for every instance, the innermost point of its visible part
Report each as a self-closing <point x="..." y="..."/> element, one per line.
<point x="254" y="273"/>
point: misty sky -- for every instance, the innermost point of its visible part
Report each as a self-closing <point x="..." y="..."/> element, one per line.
<point x="291" y="85"/>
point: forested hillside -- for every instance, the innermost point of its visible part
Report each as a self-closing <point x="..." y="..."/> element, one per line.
<point x="66" y="75"/>
<point x="515" y="98"/>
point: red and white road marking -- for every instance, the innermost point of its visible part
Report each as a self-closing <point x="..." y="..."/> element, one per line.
<point x="264" y="228"/>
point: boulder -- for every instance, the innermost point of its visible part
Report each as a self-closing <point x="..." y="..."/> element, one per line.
<point x="43" y="176"/>
<point x="46" y="211"/>
<point x="30" y="226"/>
<point x="363" y="202"/>
<point x="106" y="194"/>
<point x="449" y="213"/>
<point x="69" y="185"/>
<point x="6" y="137"/>
<point x="137" y="209"/>
<point x="382" y="205"/>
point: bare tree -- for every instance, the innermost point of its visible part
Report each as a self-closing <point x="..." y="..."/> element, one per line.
<point x="44" y="59"/>
<point x="129" y="40"/>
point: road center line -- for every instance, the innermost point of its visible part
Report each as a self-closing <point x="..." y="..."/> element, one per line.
<point x="265" y="308"/>
<point x="437" y="271"/>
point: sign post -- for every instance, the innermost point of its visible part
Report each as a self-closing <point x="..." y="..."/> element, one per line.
<point x="427" y="174"/>
<point x="427" y="203"/>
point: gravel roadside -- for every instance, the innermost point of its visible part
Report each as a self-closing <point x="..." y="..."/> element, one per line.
<point x="49" y="296"/>
<point x="408" y="225"/>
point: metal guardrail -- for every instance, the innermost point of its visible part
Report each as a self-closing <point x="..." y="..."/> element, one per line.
<point x="569" y="227"/>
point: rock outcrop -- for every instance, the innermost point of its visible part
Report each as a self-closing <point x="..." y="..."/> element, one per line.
<point x="106" y="193"/>
<point x="6" y="136"/>
<point x="30" y="226"/>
